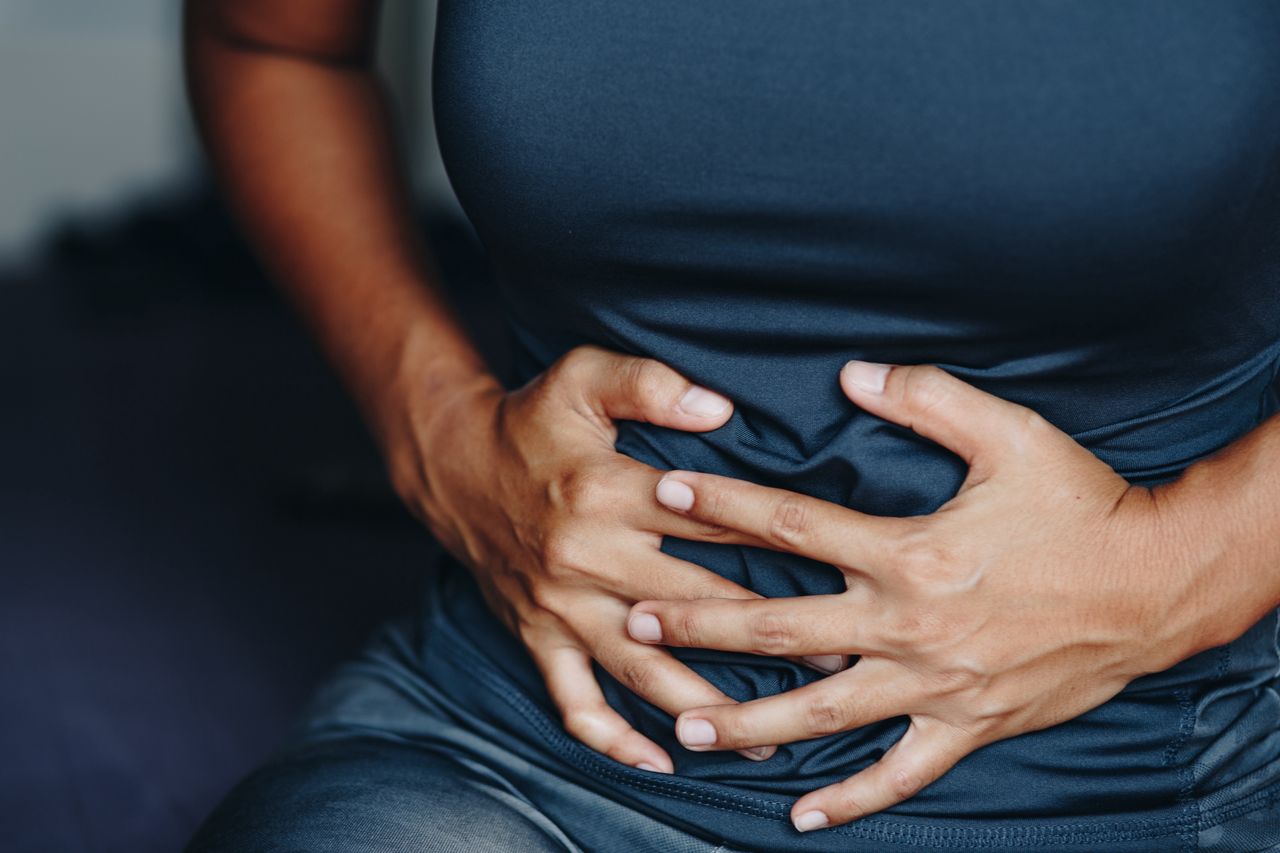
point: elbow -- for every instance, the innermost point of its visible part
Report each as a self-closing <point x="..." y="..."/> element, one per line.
<point x="335" y="33"/>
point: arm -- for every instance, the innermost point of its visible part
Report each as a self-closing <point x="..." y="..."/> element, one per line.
<point x="297" y="124"/>
<point x="525" y="488"/>
<point x="1226" y="509"/>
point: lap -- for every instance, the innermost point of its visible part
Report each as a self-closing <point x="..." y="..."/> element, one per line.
<point x="369" y="794"/>
<point x="382" y="760"/>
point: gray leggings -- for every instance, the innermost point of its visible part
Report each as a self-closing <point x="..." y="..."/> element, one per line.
<point x="379" y="763"/>
<point x="371" y="795"/>
<point x="371" y="770"/>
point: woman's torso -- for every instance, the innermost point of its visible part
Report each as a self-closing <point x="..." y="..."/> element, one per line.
<point x="1074" y="206"/>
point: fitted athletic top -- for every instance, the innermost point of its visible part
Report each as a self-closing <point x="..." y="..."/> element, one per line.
<point x="1072" y="205"/>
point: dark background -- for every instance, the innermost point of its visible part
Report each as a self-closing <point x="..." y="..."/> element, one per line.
<point x="194" y="526"/>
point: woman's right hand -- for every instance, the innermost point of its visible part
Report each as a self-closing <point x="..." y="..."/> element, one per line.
<point x="560" y="530"/>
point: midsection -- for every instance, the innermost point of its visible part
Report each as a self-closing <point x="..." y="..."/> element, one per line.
<point x="1075" y="207"/>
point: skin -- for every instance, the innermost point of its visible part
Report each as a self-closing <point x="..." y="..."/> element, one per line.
<point x="524" y="487"/>
<point x="563" y="533"/>
<point x="1042" y="588"/>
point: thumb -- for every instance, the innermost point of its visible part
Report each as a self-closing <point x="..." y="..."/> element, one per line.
<point x="615" y="386"/>
<point x="974" y="424"/>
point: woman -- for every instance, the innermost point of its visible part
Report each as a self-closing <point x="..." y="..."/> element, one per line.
<point x="894" y="468"/>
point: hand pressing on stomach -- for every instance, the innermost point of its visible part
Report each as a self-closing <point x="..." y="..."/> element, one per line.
<point x="561" y="531"/>
<point x="1042" y="588"/>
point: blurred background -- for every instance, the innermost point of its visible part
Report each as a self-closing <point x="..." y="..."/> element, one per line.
<point x="194" y="527"/>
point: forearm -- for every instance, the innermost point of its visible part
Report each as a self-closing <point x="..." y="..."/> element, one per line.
<point x="296" y="123"/>
<point x="1223" y="516"/>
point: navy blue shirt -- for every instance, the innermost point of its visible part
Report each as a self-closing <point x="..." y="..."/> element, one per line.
<point x="1072" y="205"/>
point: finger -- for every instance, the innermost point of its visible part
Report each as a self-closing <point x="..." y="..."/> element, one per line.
<point x="978" y="426"/>
<point x="613" y="386"/>
<point x="874" y="689"/>
<point x="657" y="677"/>
<point x="787" y="521"/>
<point x="631" y="495"/>
<point x="926" y="751"/>
<point x="660" y="574"/>
<point x="803" y="625"/>
<point x="586" y="715"/>
<point x="646" y="575"/>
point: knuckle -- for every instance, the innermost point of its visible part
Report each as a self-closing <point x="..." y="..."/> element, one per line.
<point x="586" y="491"/>
<point x="639" y="675"/>
<point x="582" y="723"/>
<point x="648" y="380"/>
<point x="913" y="534"/>
<point x="934" y="563"/>
<point x="1032" y="430"/>
<point x="570" y="371"/>
<point x="903" y="783"/>
<point x="730" y="728"/>
<point x="734" y="728"/>
<point x="989" y="713"/>
<point x="850" y="804"/>
<point x="546" y="597"/>
<point x="713" y="503"/>
<point x="686" y="624"/>
<point x="925" y="558"/>
<point x="575" y="363"/>
<point x="1032" y="421"/>
<point x="561" y="553"/>
<point x="553" y="549"/>
<point x="967" y="678"/>
<point x="926" y="388"/>
<point x="790" y="521"/>
<point x="772" y="634"/>
<point x="827" y="714"/>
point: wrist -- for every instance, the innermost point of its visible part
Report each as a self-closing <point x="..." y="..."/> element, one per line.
<point x="431" y="401"/>
<point x="1223" y="585"/>
<point x="428" y="370"/>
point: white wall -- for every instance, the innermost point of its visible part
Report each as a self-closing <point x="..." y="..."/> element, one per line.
<point x="91" y="109"/>
<point x="93" y="112"/>
<point x="408" y="27"/>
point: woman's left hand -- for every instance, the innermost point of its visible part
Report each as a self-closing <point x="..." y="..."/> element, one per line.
<point x="1042" y="588"/>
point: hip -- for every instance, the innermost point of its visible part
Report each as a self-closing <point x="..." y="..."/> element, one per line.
<point x="1154" y="769"/>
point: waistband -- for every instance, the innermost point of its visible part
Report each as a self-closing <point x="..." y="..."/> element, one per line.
<point x="488" y="700"/>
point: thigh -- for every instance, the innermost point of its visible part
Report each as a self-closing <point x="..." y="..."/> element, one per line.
<point x="371" y="794"/>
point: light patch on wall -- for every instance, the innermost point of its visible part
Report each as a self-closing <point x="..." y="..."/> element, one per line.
<point x="93" y="109"/>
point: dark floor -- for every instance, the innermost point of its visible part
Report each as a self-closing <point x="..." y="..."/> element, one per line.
<point x="194" y="527"/>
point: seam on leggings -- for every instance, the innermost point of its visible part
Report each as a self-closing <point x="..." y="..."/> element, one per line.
<point x="1186" y="786"/>
<point x="884" y="829"/>
<point x="1256" y="800"/>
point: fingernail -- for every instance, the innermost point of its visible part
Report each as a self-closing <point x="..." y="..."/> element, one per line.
<point x="811" y="820"/>
<point x="826" y="663"/>
<point x="644" y="765"/>
<point x="758" y="753"/>
<point x="674" y="494"/>
<point x="644" y="627"/>
<point x="702" y="403"/>
<point x="867" y="375"/>
<point x="696" y="732"/>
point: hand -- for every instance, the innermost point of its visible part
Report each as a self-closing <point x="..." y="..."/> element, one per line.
<point x="560" y="530"/>
<point x="1043" y="587"/>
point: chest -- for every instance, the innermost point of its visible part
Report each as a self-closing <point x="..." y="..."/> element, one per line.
<point x="1049" y="154"/>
